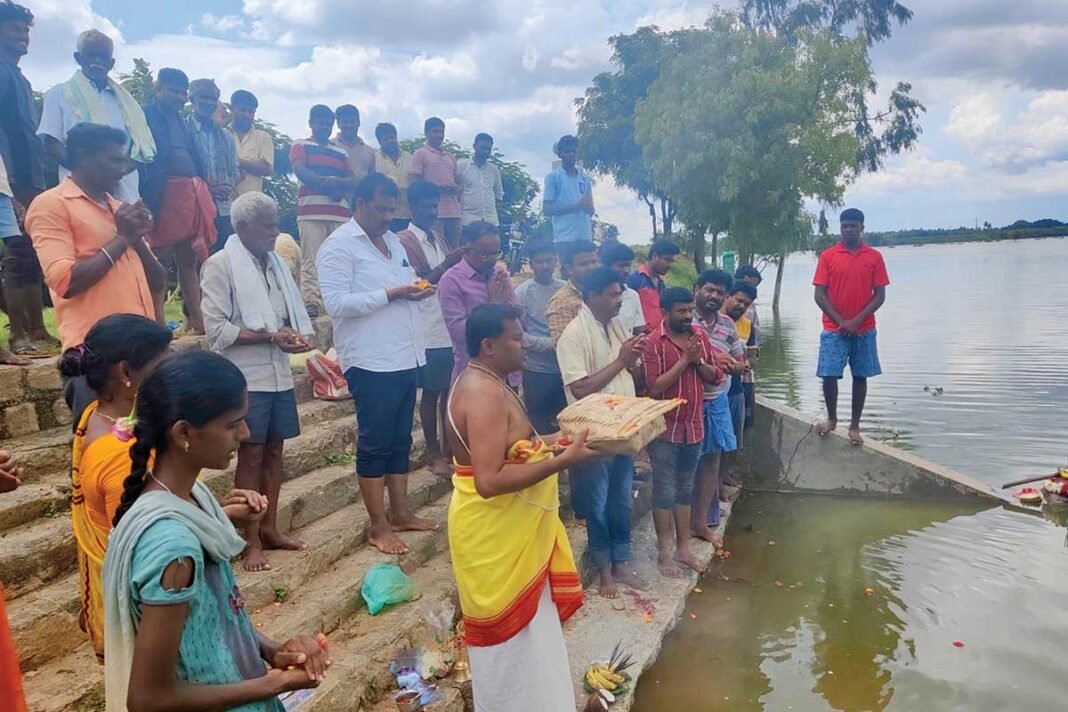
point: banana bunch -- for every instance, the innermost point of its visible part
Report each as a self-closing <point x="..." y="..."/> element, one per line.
<point x="601" y="677"/>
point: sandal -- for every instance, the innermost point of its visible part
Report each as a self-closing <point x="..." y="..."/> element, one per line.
<point x="32" y="352"/>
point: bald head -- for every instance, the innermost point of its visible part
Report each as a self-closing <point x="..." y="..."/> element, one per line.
<point x="95" y="56"/>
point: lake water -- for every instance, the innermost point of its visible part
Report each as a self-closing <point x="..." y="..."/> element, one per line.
<point x="985" y="322"/>
<point x="858" y="604"/>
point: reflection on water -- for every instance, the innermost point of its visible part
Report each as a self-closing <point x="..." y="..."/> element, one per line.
<point x="789" y="625"/>
<point x="988" y="323"/>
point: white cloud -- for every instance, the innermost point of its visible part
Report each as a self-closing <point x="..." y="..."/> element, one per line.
<point x="912" y="172"/>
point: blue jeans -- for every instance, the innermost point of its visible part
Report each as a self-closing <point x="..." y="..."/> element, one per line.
<point x="603" y="489"/>
<point x="860" y="351"/>
<point x="385" y="411"/>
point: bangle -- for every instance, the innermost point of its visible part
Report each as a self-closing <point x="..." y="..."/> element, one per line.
<point x="108" y="255"/>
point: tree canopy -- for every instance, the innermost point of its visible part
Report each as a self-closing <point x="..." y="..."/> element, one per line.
<point x="762" y="110"/>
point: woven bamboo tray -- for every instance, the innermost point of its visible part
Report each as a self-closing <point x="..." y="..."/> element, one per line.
<point x="617" y="425"/>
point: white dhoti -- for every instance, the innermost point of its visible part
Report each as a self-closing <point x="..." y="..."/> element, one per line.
<point x="527" y="673"/>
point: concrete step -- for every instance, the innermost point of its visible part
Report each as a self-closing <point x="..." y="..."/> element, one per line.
<point x="36" y="552"/>
<point x="598" y="627"/>
<point x="31" y="397"/>
<point x="48" y="498"/>
<point x="46" y="453"/>
<point x="320" y="586"/>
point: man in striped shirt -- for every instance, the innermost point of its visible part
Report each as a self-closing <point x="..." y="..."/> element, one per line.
<point x="326" y="182"/>
<point x="678" y="360"/>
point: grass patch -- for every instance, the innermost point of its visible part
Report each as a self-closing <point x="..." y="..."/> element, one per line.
<point x="339" y="458"/>
<point x="172" y="311"/>
<point x="281" y="594"/>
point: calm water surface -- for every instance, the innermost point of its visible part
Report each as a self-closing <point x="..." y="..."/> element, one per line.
<point x="988" y="324"/>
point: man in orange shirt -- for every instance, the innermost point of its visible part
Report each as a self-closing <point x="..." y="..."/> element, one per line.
<point x="850" y="286"/>
<point x="91" y="246"/>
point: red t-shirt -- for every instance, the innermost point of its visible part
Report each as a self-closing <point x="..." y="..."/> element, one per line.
<point x="851" y="279"/>
<point x="685" y="424"/>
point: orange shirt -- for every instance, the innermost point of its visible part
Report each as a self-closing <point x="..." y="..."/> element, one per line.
<point x="67" y="225"/>
<point x="10" y="677"/>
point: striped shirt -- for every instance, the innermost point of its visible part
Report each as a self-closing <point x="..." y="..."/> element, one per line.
<point x="725" y="340"/>
<point x="685" y="424"/>
<point x="218" y="154"/>
<point x="563" y="308"/>
<point x="329" y="161"/>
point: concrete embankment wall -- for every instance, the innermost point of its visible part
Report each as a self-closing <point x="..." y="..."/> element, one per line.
<point x="784" y="453"/>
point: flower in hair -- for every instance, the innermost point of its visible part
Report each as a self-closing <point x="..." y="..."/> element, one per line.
<point x="123" y="429"/>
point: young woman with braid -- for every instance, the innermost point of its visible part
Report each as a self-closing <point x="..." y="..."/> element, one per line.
<point x="177" y="632"/>
<point x="119" y="352"/>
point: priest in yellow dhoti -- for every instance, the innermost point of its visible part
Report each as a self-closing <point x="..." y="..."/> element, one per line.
<point x="513" y="563"/>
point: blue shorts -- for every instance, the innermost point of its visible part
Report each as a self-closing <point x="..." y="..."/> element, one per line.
<point x="272" y="417"/>
<point x="719" y="427"/>
<point x="859" y="351"/>
<point x="9" y="225"/>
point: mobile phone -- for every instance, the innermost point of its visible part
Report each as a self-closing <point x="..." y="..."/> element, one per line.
<point x="639" y="330"/>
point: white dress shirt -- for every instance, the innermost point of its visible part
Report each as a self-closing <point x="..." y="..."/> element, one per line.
<point x="630" y="314"/>
<point x="482" y="188"/>
<point x="370" y="332"/>
<point x="435" y="334"/>
<point x="57" y="118"/>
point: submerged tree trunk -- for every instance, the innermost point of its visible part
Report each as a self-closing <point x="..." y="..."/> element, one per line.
<point x="715" y="247"/>
<point x="652" y="213"/>
<point x="667" y="216"/>
<point x="778" y="280"/>
<point x="699" y="249"/>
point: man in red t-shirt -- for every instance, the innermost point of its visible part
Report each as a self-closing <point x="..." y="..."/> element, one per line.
<point x="850" y="285"/>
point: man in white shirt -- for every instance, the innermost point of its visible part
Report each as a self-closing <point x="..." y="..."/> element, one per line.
<point x="597" y="355"/>
<point x="91" y="96"/>
<point x="480" y="184"/>
<point x="429" y="257"/>
<point x="620" y="258"/>
<point x="369" y="291"/>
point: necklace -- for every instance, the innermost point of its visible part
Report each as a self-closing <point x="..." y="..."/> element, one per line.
<point x="105" y="416"/>
<point x="153" y="476"/>
<point x="504" y="385"/>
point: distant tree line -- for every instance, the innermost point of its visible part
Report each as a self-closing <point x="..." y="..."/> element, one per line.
<point x="1019" y="230"/>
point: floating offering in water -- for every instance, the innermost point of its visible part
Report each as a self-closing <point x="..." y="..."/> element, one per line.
<point x="958" y="644"/>
<point x="1028" y="495"/>
<point x="869" y="591"/>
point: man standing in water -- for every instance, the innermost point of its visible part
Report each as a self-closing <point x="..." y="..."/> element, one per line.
<point x="850" y="286"/>
<point x="514" y="568"/>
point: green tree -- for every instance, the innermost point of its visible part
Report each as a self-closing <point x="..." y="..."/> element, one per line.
<point x="606" y="120"/>
<point x="761" y="120"/>
<point x="139" y="82"/>
<point x="520" y="188"/>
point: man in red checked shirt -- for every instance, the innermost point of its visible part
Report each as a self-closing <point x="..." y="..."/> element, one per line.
<point x="850" y="286"/>
<point x="678" y="360"/>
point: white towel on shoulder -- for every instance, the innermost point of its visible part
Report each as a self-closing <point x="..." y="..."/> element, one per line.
<point x="250" y="291"/>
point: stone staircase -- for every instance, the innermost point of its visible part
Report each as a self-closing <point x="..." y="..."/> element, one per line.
<point x="308" y="591"/>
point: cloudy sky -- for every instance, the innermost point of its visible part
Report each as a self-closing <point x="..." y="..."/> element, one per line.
<point x="991" y="73"/>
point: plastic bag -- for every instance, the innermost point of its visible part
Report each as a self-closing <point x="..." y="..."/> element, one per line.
<point x="328" y="383"/>
<point x="384" y="585"/>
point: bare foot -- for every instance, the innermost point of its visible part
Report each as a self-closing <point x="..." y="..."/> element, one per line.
<point x="607" y="588"/>
<point x="408" y="522"/>
<point x="9" y="359"/>
<point x="255" y="559"/>
<point x="440" y="467"/>
<point x="705" y="532"/>
<point x="628" y="577"/>
<point x="383" y="539"/>
<point x="854" y="435"/>
<point x="274" y="540"/>
<point x="668" y="567"/>
<point x="45" y="338"/>
<point x="688" y="559"/>
<point x="825" y="427"/>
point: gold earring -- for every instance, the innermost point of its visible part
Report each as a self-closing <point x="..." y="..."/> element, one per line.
<point x="128" y="384"/>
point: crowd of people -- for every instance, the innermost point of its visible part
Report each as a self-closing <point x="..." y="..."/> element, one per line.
<point x="402" y="253"/>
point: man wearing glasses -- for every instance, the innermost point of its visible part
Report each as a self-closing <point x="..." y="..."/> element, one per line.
<point x="479" y="278"/>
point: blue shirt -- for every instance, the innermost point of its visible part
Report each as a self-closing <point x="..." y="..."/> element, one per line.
<point x="561" y="189"/>
<point x="219" y="643"/>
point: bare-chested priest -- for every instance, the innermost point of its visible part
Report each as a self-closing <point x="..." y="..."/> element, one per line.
<point x="510" y="553"/>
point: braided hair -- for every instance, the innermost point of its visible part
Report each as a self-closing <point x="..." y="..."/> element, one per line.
<point x="115" y="339"/>
<point x="194" y="386"/>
